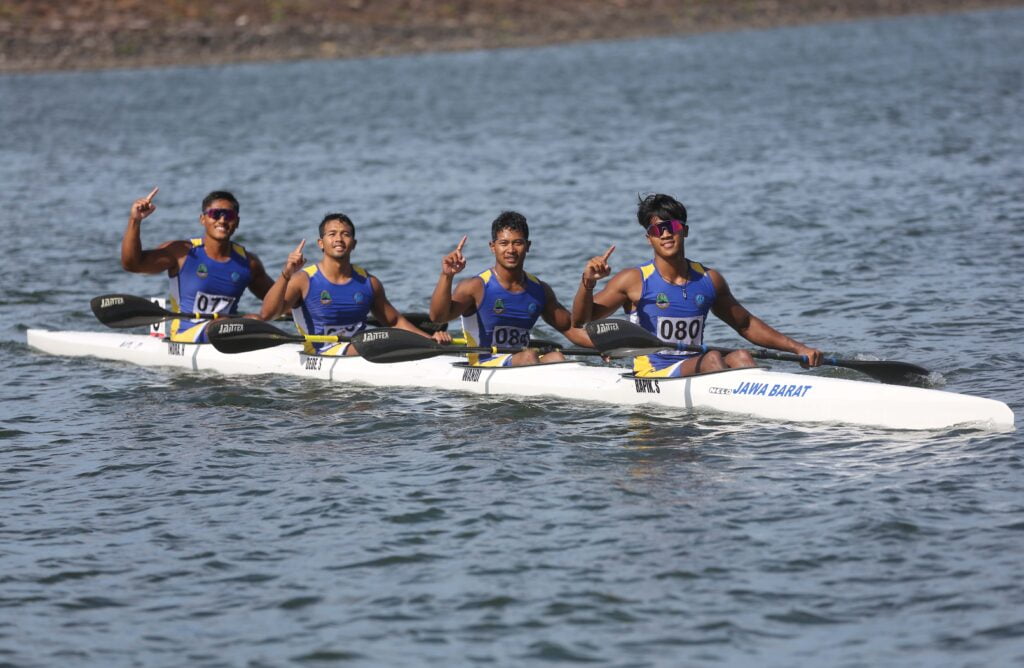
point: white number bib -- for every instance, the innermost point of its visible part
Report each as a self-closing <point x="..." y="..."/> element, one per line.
<point x="687" y="331"/>
<point x="209" y="304"/>
<point x="511" y="337"/>
<point x="343" y="330"/>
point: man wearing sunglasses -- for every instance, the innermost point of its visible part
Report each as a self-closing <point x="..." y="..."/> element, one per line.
<point x="208" y="274"/>
<point x="671" y="297"/>
<point x="334" y="297"/>
<point x="500" y="306"/>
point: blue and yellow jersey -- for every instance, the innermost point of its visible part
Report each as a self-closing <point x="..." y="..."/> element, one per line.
<point x="675" y="314"/>
<point x="503" y="319"/>
<point x="333" y="308"/>
<point x="204" y="285"/>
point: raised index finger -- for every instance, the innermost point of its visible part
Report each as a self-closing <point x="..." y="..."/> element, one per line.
<point x="458" y="249"/>
<point x="298" y="249"/>
<point x="150" y="196"/>
<point x="608" y="254"/>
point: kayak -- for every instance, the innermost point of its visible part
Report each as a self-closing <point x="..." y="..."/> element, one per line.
<point x="759" y="392"/>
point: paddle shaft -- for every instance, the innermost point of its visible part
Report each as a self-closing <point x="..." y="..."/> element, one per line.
<point x="618" y="338"/>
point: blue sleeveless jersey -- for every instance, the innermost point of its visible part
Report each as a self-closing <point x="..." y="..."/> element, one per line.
<point x="204" y="285"/>
<point x="333" y="308"/>
<point x="503" y="319"/>
<point x="673" y="313"/>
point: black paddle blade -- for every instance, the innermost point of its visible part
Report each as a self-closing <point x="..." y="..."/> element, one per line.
<point x="124" y="311"/>
<point x="396" y="345"/>
<point x="894" y="373"/>
<point x="421" y="320"/>
<point x="617" y="335"/>
<point x="242" y="335"/>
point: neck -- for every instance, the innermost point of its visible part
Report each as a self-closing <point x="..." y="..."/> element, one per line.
<point x="217" y="248"/>
<point x="509" y="277"/>
<point x="673" y="268"/>
<point x="336" y="269"/>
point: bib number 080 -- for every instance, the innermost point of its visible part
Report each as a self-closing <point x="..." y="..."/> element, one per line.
<point x="682" y="330"/>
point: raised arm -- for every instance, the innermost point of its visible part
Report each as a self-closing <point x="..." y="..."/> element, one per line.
<point x="587" y="306"/>
<point x="444" y="305"/>
<point x="163" y="258"/>
<point x="288" y="289"/>
<point x="751" y="327"/>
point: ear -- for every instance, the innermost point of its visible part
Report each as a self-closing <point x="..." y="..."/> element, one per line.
<point x="355" y="242"/>
<point x="686" y="230"/>
<point x="528" y="243"/>
<point x="320" y="243"/>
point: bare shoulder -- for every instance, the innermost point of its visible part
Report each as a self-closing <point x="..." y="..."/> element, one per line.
<point x="254" y="260"/>
<point x="625" y="279"/>
<point x="177" y="247"/>
<point x="717" y="279"/>
<point x="472" y="285"/>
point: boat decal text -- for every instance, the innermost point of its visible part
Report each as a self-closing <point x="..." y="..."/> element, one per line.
<point x="766" y="390"/>
<point x="471" y="374"/>
<point x="647" y="386"/>
<point x="176" y="349"/>
<point x="312" y="363"/>
<point x="229" y="327"/>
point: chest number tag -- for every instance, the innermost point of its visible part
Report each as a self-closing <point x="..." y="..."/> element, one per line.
<point x="343" y="330"/>
<point x="510" y="336"/>
<point x="681" y="330"/>
<point x="210" y="304"/>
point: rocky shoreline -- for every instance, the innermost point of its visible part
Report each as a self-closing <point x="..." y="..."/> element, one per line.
<point x="41" y="35"/>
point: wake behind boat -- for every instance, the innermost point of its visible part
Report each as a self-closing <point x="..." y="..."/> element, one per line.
<point x="793" y="397"/>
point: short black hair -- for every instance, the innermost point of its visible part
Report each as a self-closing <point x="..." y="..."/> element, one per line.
<point x="220" y="194"/>
<point x="510" y="220"/>
<point x="336" y="216"/>
<point x="665" y="207"/>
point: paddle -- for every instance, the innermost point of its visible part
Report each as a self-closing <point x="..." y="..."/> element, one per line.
<point x="123" y="311"/>
<point x="388" y="345"/>
<point x="242" y="335"/>
<point x="619" y="338"/>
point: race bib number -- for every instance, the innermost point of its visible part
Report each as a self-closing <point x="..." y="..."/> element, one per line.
<point x="511" y="337"/>
<point x="210" y="304"/>
<point x="687" y="331"/>
<point x="343" y="330"/>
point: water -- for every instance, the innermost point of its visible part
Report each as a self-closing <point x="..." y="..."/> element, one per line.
<point x="859" y="186"/>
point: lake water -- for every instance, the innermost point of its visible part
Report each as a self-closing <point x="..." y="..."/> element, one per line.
<point x="859" y="185"/>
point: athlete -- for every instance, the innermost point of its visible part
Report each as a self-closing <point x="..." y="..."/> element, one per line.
<point x="333" y="296"/>
<point x="671" y="297"/>
<point x="208" y="274"/>
<point x="500" y="306"/>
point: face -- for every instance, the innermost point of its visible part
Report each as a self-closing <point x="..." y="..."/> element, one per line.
<point x="510" y="249"/>
<point x="338" y="240"/>
<point x="219" y="219"/>
<point x="668" y="238"/>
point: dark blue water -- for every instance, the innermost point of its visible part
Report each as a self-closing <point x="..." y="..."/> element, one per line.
<point x="858" y="184"/>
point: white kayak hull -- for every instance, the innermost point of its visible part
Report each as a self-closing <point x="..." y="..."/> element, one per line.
<point x="756" y="392"/>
